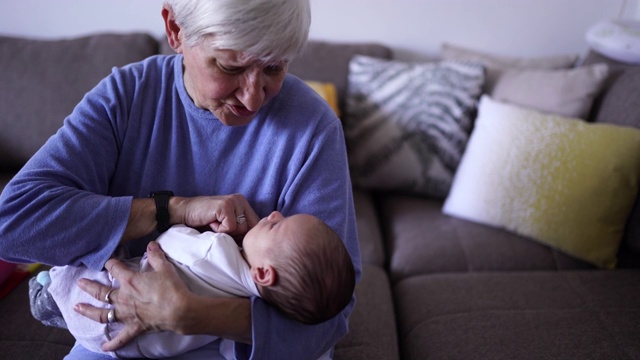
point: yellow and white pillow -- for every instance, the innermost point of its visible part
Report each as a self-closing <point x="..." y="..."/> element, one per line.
<point x="561" y="181"/>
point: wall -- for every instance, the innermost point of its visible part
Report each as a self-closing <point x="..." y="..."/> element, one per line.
<point x="413" y="28"/>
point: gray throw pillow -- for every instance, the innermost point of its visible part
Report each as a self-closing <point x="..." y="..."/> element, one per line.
<point x="407" y="124"/>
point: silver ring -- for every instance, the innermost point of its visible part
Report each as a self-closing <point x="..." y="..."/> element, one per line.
<point x="107" y="298"/>
<point x="241" y="219"/>
<point x="111" y="316"/>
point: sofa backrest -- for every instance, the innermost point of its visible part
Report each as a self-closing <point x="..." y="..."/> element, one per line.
<point x="329" y="62"/>
<point x="43" y="80"/>
<point x="619" y="103"/>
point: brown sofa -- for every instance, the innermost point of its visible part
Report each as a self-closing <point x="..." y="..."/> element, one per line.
<point x="433" y="286"/>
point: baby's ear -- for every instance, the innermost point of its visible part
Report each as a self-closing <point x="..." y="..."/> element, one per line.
<point x="264" y="275"/>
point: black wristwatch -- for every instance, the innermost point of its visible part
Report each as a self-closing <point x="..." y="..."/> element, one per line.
<point x="162" y="209"/>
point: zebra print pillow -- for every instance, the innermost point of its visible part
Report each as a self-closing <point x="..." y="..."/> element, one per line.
<point x="407" y="124"/>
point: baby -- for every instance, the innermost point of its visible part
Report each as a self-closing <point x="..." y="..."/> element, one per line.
<point x="298" y="264"/>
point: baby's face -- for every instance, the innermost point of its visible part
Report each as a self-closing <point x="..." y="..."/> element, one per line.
<point x="271" y="232"/>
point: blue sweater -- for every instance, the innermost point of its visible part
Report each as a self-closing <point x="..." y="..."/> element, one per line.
<point x="138" y="131"/>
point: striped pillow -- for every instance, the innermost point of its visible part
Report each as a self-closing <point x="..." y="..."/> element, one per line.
<point x="407" y="124"/>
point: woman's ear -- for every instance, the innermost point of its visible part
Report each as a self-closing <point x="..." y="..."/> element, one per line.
<point x="264" y="275"/>
<point x="172" y="29"/>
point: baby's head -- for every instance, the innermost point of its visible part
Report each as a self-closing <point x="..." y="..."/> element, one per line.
<point x="300" y="266"/>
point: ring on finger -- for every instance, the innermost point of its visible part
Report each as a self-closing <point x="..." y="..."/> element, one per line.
<point x="241" y="219"/>
<point x="107" y="298"/>
<point x="111" y="316"/>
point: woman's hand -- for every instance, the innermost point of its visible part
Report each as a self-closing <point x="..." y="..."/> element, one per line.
<point x="146" y="301"/>
<point x="230" y="214"/>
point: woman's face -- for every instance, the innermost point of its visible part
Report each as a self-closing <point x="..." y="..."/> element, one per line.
<point x="229" y="84"/>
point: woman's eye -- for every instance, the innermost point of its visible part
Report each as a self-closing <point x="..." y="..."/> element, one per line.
<point x="274" y="69"/>
<point x="230" y="69"/>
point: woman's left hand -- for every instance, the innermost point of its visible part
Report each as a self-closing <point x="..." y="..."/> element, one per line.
<point x="145" y="301"/>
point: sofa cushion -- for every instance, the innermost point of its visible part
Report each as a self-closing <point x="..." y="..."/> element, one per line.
<point x="5" y="177"/>
<point x="329" y="62"/>
<point x="369" y="233"/>
<point x="619" y="103"/>
<point x="497" y="64"/>
<point x="408" y="123"/>
<point x="562" y="181"/>
<point x="531" y="315"/>
<point x="567" y="92"/>
<point x="372" y="325"/>
<point x="22" y="336"/>
<point x="420" y="239"/>
<point x="42" y="95"/>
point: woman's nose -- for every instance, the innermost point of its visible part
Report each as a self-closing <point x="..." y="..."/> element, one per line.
<point x="251" y="92"/>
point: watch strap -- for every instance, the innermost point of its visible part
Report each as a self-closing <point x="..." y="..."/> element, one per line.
<point x="161" y="199"/>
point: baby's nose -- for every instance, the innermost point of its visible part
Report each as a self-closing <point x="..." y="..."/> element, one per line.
<point x="275" y="215"/>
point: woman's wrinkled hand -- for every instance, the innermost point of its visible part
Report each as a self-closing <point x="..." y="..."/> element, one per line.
<point x="146" y="301"/>
<point x="229" y="214"/>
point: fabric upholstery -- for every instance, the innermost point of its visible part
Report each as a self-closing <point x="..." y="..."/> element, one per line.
<point x="408" y="123"/>
<point x="496" y="64"/>
<point x="619" y="103"/>
<point x="421" y="240"/>
<point x="520" y="315"/>
<point x="567" y="92"/>
<point x="374" y="337"/>
<point x="5" y="177"/>
<point x="55" y="74"/>
<point x="22" y="336"/>
<point x="329" y="62"/>
<point x="562" y="181"/>
<point x="369" y="233"/>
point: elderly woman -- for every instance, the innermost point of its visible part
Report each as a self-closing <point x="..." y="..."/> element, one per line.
<point x="175" y="139"/>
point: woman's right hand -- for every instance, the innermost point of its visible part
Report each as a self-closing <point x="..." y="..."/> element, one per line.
<point x="230" y="214"/>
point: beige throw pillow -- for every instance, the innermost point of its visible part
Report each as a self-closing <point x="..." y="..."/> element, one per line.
<point x="497" y="64"/>
<point x="567" y="92"/>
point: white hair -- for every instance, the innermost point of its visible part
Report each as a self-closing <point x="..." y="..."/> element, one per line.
<point x="268" y="30"/>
